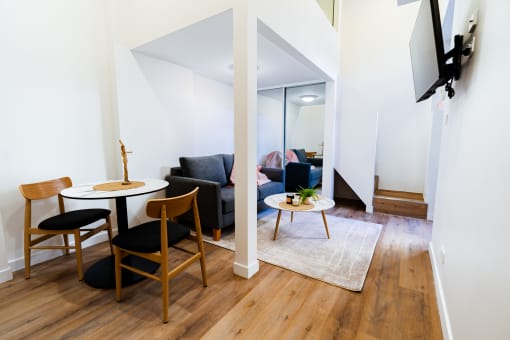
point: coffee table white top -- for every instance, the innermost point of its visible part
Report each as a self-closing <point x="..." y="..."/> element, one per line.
<point x="320" y="205"/>
<point x="85" y="191"/>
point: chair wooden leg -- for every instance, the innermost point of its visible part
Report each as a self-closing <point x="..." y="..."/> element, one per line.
<point x="66" y="243"/>
<point x="202" y="256"/>
<point x="164" y="287"/>
<point x="118" y="273"/>
<point x="77" y="247"/>
<point x="216" y="234"/>
<point x="109" y="230"/>
<point x="27" y="255"/>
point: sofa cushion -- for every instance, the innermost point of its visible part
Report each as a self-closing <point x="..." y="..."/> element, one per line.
<point x="269" y="189"/>
<point x="227" y="199"/>
<point x="301" y="155"/>
<point x="209" y="168"/>
<point x="228" y="163"/>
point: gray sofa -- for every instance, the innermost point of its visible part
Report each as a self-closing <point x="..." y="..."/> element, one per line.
<point x="216" y="194"/>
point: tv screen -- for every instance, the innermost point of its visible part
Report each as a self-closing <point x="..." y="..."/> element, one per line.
<point x="427" y="51"/>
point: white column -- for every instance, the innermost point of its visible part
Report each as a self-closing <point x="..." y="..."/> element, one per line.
<point x="5" y="270"/>
<point x="245" y="138"/>
<point x="329" y="140"/>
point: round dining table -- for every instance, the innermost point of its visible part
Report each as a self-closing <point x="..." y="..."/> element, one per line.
<point x="102" y="273"/>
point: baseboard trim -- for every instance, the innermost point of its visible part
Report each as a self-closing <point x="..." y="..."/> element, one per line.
<point x="369" y="209"/>
<point x="5" y="274"/>
<point x="46" y="255"/>
<point x="246" y="271"/>
<point x="441" y="302"/>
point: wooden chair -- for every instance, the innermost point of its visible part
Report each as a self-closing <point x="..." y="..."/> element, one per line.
<point x="151" y="241"/>
<point x="65" y="223"/>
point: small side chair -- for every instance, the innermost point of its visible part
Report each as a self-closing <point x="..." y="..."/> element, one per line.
<point x="151" y="241"/>
<point x="74" y="222"/>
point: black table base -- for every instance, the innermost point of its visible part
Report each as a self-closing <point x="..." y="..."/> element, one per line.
<point x="102" y="273"/>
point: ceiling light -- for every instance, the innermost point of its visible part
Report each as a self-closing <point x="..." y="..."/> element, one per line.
<point x="308" y="98"/>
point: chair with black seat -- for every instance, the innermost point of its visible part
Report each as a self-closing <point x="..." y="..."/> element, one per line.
<point x="76" y="222"/>
<point x="151" y="241"/>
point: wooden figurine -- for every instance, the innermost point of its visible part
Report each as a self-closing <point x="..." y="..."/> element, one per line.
<point x="124" y="153"/>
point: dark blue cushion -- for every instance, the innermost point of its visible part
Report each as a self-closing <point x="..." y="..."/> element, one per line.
<point x="74" y="219"/>
<point x="146" y="237"/>
<point x="301" y="155"/>
<point x="209" y="168"/>
<point x="269" y="189"/>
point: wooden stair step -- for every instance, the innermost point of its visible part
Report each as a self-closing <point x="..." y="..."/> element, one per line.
<point x="400" y="194"/>
<point x="400" y="203"/>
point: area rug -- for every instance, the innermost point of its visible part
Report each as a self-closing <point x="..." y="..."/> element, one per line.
<point x="303" y="247"/>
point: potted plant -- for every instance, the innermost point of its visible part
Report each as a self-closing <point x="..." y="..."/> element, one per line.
<point x="307" y="195"/>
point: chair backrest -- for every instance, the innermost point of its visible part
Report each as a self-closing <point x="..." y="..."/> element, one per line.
<point x="46" y="189"/>
<point x="174" y="206"/>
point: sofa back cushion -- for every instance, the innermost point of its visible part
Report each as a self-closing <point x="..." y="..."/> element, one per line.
<point x="301" y="155"/>
<point x="228" y="162"/>
<point x="209" y="168"/>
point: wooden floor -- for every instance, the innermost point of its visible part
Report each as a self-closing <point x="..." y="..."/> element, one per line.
<point x="397" y="302"/>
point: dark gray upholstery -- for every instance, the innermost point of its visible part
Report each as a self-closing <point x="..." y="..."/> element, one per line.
<point x="209" y="168"/>
<point x="216" y="200"/>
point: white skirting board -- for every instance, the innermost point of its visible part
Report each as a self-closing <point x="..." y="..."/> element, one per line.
<point x="441" y="302"/>
<point x="39" y="256"/>
<point x="246" y="271"/>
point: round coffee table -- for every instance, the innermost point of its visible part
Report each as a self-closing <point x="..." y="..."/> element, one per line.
<point x="277" y="201"/>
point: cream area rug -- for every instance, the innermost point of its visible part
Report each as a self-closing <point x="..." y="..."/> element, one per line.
<point x="303" y="246"/>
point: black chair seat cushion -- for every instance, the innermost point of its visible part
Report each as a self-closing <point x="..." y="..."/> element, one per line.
<point x="146" y="237"/>
<point x="74" y="219"/>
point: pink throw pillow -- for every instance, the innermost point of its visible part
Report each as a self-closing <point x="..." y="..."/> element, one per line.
<point x="290" y="156"/>
<point x="261" y="178"/>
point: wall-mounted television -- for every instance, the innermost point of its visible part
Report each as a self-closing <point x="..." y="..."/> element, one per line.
<point x="431" y="66"/>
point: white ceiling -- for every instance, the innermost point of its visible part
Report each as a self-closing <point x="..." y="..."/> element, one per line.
<point x="206" y="48"/>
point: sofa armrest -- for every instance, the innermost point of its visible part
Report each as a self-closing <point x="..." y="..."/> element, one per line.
<point x="274" y="174"/>
<point x="315" y="161"/>
<point x="208" y="199"/>
<point x="297" y="174"/>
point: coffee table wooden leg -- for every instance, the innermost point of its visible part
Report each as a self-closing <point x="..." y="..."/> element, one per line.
<point x="325" y="223"/>
<point x="277" y="223"/>
<point x="291" y="216"/>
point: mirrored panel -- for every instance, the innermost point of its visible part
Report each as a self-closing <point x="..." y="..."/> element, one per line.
<point x="304" y="122"/>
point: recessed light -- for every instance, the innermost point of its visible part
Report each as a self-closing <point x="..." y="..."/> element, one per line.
<point x="308" y="98"/>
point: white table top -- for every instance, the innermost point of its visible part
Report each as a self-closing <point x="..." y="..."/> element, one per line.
<point x="321" y="204"/>
<point x="85" y="191"/>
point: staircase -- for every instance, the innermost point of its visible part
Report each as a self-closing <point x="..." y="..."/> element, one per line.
<point x="399" y="203"/>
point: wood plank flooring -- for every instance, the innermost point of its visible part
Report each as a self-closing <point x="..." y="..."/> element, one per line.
<point x="397" y="302"/>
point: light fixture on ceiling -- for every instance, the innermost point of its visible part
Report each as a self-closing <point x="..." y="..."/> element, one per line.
<point x="308" y="98"/>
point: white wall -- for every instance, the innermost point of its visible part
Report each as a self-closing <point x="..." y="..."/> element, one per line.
<point x="167" y="111"/>
<point x="269" y="125"/>
<point x="307" y="131"/>
<point x="376" y="77"/>
<point x="56" y="105"/>
<point x="471" y="221"/>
